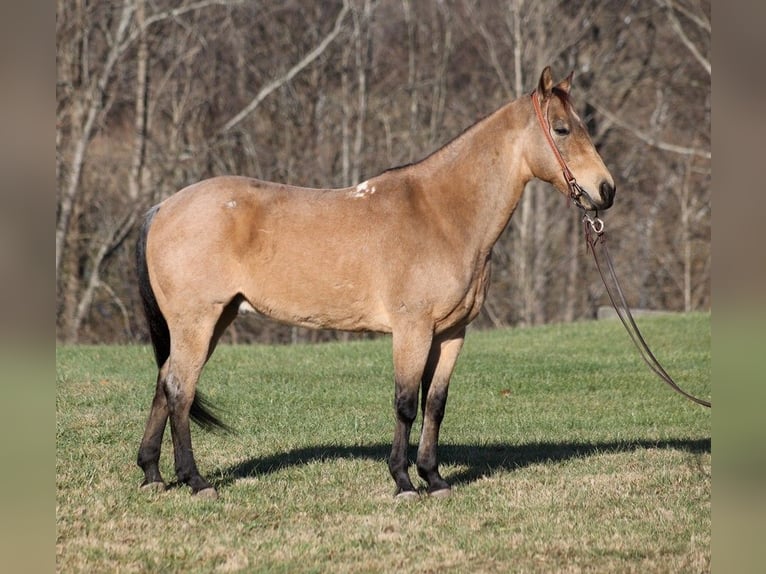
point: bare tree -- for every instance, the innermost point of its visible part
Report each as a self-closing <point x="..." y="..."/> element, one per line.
<point x="264" y="92"/>
<point x="154" y="96"/>
<point x="89" y="103"/>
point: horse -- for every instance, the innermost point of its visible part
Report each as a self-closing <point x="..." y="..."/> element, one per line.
<point x="407" y="253"/>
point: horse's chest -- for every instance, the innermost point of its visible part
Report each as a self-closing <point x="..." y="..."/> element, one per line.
<point x="468" y="306"/>
<point x="478" y="292"/>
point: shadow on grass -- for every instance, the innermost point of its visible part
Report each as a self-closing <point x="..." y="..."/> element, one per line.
<point x="480" y="460"/>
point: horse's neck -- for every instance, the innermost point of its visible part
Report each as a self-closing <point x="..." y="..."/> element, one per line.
<point x="478" y="178"/>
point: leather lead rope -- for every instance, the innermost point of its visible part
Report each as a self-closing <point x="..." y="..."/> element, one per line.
<point x="595" y="237"/>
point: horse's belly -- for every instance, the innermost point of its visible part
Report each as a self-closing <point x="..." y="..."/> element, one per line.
<point x="318" y="305"/>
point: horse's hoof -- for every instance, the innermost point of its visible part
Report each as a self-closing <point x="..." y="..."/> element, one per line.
<point x="153" y="487"/>
<point x="407" y="495"/>
<point x="441" y="493"/>
<point x="207" y="494"/>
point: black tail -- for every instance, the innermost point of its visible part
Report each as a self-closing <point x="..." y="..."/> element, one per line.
<point x="158" y="327"/>
<point x="159" y="333"/>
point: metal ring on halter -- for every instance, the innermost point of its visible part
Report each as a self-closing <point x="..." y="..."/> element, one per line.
<point x="596" y="224"/>
<point x="575" y="191"/>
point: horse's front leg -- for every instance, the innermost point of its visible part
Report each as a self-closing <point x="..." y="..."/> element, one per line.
<point x="410" y="349"/>
<point x="441" y="363"/>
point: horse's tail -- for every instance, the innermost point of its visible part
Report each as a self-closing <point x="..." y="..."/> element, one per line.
<point x="158" y="327"/>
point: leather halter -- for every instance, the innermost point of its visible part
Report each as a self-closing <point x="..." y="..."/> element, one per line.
<point x="575" y="190"/>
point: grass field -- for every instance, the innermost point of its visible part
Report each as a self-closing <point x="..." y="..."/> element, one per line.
<point x="565" y="454"/>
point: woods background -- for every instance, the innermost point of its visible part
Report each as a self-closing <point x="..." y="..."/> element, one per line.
<point x="153" y="96"/>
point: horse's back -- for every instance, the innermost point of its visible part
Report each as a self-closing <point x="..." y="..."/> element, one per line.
<point x="294" y="253"/>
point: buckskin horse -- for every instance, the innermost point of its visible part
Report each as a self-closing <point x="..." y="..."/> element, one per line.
<point x="406" y="252"/>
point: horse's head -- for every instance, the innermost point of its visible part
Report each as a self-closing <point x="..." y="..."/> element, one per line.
<point x="565" y="155"/>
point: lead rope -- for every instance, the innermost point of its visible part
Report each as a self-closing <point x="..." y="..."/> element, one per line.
<point x="595" y="236"/>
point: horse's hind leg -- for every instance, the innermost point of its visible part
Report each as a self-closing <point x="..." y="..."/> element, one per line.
<point x="191" y="346"/>
<point x="149" y="451"/>
<point x="441" y="362"/>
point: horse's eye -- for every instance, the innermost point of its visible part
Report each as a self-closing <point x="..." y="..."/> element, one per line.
<point x="561" y="130"/>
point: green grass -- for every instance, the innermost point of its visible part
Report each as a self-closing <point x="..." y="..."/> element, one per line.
<point x="565" y="454"/>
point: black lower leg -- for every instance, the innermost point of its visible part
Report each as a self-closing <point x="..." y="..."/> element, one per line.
<point x="187" y="473"/>
<point x="405" y="405"/>
<point x="179" y="404"/>
<point x="441" y="363"/>
<point x="430" y="473"/>
<point x="427" y="461"/>
<point x="148" y="459"/>
<point x="149" y="451"/>
<point x="185" y="465"/>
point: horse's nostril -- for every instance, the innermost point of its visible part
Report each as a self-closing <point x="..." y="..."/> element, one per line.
<point x="607" y="192"/>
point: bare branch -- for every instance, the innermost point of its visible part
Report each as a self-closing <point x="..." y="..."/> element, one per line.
<point x="412" y="74"/>
<point x="517" y="48"/>
<point x="108" y="246"/>
<point x="669" y="9"/>
<point x="139" y="136"/>
<point x="363" y="43"/>
<point x="94" y="103"/>
<point x="120" y="306"/>
<point x="654" y="142"/>
<point x="172" y="15"/>
<point x="700" y="21"/>
<point x="291" y="73"/>
<point x="491" y="42"/>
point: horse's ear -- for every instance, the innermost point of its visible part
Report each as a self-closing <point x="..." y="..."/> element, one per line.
<point x="545" y="85"/>
<point x="566" y="84"/>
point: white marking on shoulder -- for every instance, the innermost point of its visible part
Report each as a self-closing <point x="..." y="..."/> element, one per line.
<point x="231" y="204"/>
<point x="362" y="190"/>
<point x="245" y="307"/>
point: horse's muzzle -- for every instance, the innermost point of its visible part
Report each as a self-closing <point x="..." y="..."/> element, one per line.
<point x="586" y="201"/>
<point x="607" y="191"/>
